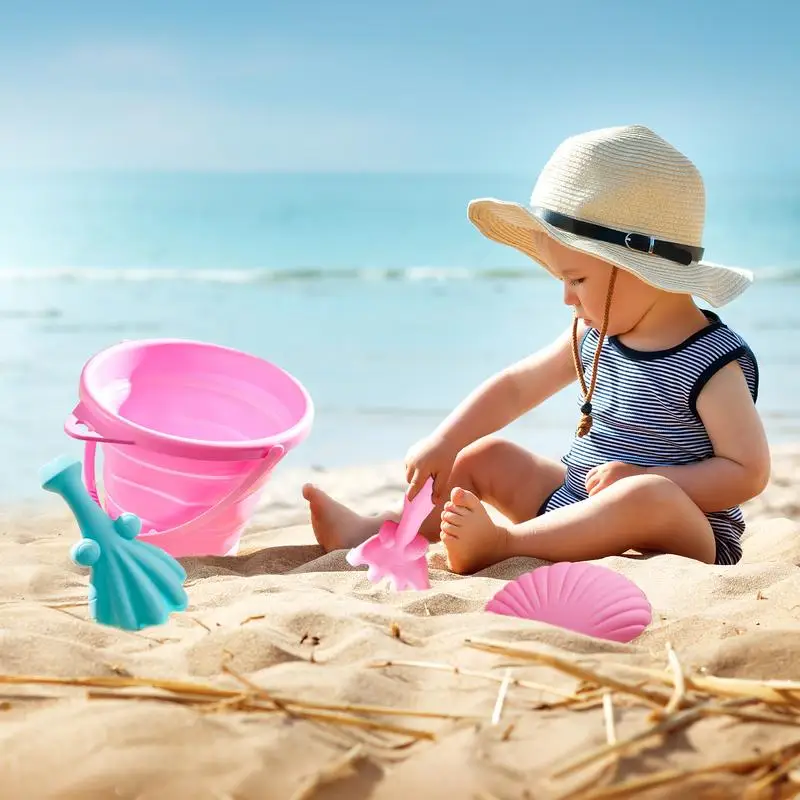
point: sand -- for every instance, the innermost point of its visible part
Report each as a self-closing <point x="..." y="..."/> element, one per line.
<point x="306" y="627"/>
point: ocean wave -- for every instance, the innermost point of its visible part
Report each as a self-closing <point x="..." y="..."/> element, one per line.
<point x="778" y="274"/>
<point x="789" y="274"/>
<point x="30" y="313"/>
<point x="251" y="276"/>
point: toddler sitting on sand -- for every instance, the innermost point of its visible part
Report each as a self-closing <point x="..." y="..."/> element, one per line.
<point x="669" y="442"/>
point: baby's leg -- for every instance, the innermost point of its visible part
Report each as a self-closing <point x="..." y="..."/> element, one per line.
<point x="502" y="474"/>
<point x="646" y="512"/>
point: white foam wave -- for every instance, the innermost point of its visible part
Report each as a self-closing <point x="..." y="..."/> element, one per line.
<point x="305" y="274"/>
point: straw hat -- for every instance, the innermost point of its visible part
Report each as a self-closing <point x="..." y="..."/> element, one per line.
<point x="625" y="195"/>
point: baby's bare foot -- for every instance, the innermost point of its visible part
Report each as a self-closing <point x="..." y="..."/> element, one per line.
<point x="335" y="525"/>
<point x="470" y="537"/>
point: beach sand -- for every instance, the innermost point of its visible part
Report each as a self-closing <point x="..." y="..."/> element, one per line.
<point x="310" y="630"/>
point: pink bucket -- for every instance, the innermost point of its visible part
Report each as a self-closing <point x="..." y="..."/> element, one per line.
<point x="190" y="433"/>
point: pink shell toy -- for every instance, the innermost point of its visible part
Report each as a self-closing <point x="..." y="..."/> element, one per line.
<point x="582" y="597"/>
<point x="397" y="551"/>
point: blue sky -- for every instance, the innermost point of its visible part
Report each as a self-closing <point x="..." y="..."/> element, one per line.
<point x="379" y="85"/>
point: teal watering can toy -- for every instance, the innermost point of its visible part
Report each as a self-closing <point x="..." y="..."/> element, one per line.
<point x="133" y="583"/>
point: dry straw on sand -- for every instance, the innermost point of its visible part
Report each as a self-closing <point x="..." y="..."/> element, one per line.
<point x="674" y="699"/>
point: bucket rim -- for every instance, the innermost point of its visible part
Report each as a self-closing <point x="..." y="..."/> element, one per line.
<point x="98" y="416"/>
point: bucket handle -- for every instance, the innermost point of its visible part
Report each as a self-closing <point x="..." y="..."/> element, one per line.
<point x="78" y="429"/>
<point x="272" y="457"/>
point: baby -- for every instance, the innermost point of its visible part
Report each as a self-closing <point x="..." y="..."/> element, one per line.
<point x="669" y="442"/>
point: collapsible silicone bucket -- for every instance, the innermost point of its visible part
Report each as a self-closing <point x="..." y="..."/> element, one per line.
<point x="190" y="433"/>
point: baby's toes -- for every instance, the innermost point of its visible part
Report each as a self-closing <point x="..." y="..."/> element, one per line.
<point x="465" y="499"/>
<point x="451" y="517"/>
<point x="448" y="529"/>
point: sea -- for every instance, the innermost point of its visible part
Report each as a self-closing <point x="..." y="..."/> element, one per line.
<point x="374" y="290"/>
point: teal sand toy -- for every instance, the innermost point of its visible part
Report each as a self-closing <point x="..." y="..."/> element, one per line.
<point x="133" y="584"/>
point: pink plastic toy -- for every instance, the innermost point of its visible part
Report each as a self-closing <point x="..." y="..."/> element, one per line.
<point x="397" y="551"/>
<point x="190" y="433"/>
<point x="582" y="597"/>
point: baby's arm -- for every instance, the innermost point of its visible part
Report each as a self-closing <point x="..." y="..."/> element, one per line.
<point x="740" y="467"/>
<point x="509" y="394"/>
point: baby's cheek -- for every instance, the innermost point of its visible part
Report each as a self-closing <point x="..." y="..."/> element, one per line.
<point x="593" y="306"/>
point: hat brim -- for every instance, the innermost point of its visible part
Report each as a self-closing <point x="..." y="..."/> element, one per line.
<point x="512" y="224"/>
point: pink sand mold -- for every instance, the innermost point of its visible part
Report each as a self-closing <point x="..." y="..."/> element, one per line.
<point x="190" y="434"/>
<point x="586" y="598"/>
<point x="397" y="551"/>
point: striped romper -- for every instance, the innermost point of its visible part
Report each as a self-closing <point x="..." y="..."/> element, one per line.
<point x="644" y="412"/>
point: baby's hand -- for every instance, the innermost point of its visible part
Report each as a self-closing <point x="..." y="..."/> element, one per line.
<point x="432" y="457"/>
<point x="602" y="477"/>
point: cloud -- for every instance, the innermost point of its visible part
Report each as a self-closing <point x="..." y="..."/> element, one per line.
<point x="144" y="105"/>
<point x="90" y="129"/>
<point x="120" y="58"/>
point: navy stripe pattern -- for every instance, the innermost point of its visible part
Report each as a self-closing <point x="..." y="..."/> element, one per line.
<point x="644" y="412"/>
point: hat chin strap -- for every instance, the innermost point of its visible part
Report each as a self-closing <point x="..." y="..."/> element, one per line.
<point x="585" y="424"/>
<point x="641" y="242"/>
